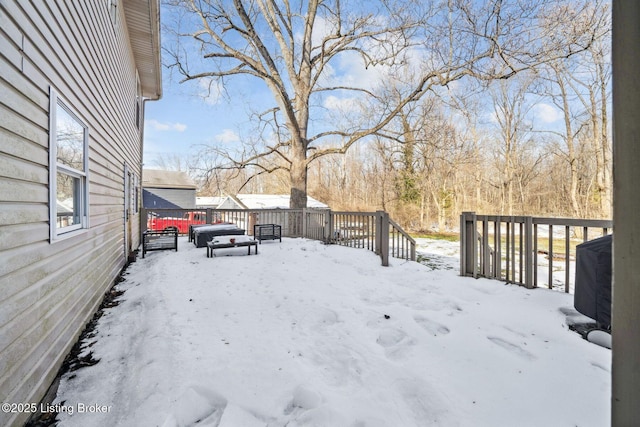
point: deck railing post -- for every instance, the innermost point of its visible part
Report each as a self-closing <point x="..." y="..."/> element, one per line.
<point x="378" y="234"/>
<point x="143" y="221"/>
<point x="329" y="226"/>
<point x="485" y="250"/>
<point x="383" y="232"/>
<point x="304" y="223"/>
<point x="463" y="239"/>
<point x="468" y="244"/>
<point x="528" y="252"/>
<point x="413" y="252"/>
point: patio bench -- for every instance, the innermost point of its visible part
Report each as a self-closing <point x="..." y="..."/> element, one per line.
<point x="156" y="240"/>
<point x="231" y="241"/>
<point x="267" y="232"/>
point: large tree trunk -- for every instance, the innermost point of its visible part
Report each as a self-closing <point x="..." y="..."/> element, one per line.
<point x="440" y="202"/>
<point x="569" y="140"/>
<point x="607" y="194"/>
<point x="298" y="174"/>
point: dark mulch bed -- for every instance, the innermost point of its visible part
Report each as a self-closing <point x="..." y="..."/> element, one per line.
<point x="74" y="360"/>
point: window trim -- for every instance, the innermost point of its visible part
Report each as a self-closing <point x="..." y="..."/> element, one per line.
<point x="113" y="11"/>
<point x="55" y="232"/>
<point x="138" y="106"/>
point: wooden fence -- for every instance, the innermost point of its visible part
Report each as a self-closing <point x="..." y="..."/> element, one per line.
<point x="517" y="248"/>
<point x="373" y="231"/>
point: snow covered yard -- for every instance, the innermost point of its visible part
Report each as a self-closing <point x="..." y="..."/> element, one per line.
<point x="306" y="334"/>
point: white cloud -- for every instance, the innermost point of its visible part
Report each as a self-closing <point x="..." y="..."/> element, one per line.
<point x="547" y="113"/>
<point x="340" y="104"/>
<point x="165" y="126"/>
<point x="210" y="90"/>
<point x="227" y="136"/>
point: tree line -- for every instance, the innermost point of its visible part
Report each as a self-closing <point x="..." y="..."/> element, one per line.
<point x="498" y="107"/>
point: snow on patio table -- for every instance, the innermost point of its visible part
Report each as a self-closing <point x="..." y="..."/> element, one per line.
<point x="306" y="334"/>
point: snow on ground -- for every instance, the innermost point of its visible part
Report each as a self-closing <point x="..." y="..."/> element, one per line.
<point x="306" y="334"/>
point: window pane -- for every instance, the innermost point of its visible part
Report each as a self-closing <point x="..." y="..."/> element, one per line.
<point x="70" y="140"/>
<point x="68" y="200"/>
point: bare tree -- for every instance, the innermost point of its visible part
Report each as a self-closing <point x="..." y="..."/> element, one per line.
<point x="597" y="110"/>
<point x="562" y="99"/>
<point x="516" y="156"/>
<point x="294" y="46"/>
<point x="578" y="87"/>
<point x="172" y="162"/>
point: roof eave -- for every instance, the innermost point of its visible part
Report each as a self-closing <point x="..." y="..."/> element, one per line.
<point x="143" y="25"/>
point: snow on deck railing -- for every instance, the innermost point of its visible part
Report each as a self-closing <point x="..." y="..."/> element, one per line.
<point x="525" y="250"/>
<point x="373" y="231"/>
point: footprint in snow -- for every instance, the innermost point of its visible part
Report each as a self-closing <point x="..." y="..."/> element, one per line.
<point x="513" y="348"/>
<point x="390" y="336"/>
<point x="235" y="416"/>
<point x="322" y="318"/>
<point x="432" y="327"/>
<point x="424" y="402"/>
<point x="197" y="405"/>
<point x="303" y="399"/>
<point x="396" y="342"/>
<point x="327" y="316"/>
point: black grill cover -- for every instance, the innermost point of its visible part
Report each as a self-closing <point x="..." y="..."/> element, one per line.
<point x="593" y="280"/>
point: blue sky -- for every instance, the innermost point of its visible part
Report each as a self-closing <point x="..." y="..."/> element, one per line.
<point x="192" y="114"/>
<point x="186" y="117"/>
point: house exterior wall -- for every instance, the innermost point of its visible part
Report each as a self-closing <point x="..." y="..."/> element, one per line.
<point x="229" y="203"/>
<point x="49" y="288"/>
<point x="182" y="197"/>
<point x="625" y="327"/>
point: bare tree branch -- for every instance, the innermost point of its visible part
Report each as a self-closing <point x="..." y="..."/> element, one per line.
<point x="295" y="47"/>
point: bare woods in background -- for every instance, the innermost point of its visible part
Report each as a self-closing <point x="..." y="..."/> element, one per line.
<point x="504" y="112"/>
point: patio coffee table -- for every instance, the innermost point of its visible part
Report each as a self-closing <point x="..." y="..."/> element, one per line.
<point x="231" y="241"/>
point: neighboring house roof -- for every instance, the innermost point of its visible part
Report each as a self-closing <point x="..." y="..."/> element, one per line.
<point x="143" y="23"/>
<point x="230" y="202"/>
<point x="152" y="178"/>
<point x="274" y="201"/>
<point x="64" y="207"/>
<point x="212" y="202"/>
<point x="254" y="201"/>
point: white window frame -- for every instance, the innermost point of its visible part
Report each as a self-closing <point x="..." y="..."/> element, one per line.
<point x="56" y="232"/>
<point x="113" y="11"/>
<point x="138" y="106"/>
<point x="135" y="196"/>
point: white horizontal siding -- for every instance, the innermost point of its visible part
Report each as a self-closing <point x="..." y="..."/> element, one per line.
<point x="51" y="289"/>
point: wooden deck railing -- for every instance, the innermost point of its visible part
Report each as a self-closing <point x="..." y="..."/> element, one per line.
<point x="517" y="249"/>
<point x="402" y="245"/>
<point x="373" y="231"/>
